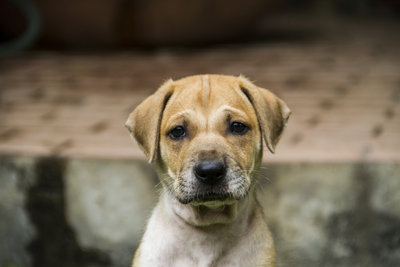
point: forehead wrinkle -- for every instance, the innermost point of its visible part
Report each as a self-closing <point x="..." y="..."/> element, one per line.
<point x="232" y="110"/>
<point x="206" y="95"/>
<point x="206" y="90"/>
<point x="184" y="114"/>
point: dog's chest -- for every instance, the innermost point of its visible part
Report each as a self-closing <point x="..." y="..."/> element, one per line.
<point x="196" y="250"/>
<point x="164" y="245"/>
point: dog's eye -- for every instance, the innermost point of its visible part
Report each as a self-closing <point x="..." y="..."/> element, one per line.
<point x="177" y="133"/>
<point x="238" y="128"/>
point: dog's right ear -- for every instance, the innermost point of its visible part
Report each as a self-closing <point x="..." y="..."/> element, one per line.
<point x="144" y="121"/>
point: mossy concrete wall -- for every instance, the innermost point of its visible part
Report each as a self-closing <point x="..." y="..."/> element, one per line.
<point x="81" y="212"/>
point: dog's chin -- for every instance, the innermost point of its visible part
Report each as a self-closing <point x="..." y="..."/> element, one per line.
<point x="209" y="206"/>
<point x="209" y="209"/>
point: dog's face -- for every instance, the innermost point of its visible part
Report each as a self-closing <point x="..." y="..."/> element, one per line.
<point x="210" y="141"/>
<point x="206" y="134"/>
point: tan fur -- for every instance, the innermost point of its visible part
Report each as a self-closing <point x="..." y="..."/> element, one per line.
<point x="186" y="231"/>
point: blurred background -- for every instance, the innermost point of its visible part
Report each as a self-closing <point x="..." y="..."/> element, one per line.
<point x="76" y="191"/>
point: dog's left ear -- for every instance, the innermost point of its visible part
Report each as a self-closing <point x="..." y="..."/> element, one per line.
<point x="144" y="122"/>
<point x="272" y="112"/>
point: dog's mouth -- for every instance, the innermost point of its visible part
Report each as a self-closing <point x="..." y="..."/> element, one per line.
<point x="209" y="199"/>
<point x="214" y="205"/>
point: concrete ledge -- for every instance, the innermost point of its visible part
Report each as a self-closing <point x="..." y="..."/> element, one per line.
<point x="93" y="212"/>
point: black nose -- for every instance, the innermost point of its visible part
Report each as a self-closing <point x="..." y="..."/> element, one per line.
<point x="210" y="171"/>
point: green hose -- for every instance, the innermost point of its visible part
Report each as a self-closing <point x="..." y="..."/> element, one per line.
<point x="28" y="37"/>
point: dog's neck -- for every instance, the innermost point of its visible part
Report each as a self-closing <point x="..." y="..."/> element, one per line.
<point x="177" y="236"/>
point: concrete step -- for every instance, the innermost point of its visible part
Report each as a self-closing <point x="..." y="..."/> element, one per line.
<point x="87" y="212"/>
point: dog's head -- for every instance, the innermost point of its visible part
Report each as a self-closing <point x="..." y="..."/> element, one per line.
<point x="206" y="135"/>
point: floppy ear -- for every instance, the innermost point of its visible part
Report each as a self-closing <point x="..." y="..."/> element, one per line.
<point x="272" y="112"/>
<point x="144" y="122"/>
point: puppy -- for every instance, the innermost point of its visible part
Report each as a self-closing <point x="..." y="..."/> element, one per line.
<point x="205" y="135"/>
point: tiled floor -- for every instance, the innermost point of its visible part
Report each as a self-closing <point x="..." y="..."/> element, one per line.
<point x="343" y="87"/>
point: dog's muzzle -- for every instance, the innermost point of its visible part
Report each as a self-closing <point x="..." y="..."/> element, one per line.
<point x="211" y="179"/>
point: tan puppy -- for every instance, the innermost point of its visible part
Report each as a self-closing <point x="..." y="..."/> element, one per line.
<point x="205" y="135"/>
